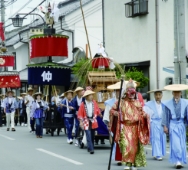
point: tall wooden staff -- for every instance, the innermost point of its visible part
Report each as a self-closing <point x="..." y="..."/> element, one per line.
<point x="114" y="123"/>
<point x="81" y="7"/>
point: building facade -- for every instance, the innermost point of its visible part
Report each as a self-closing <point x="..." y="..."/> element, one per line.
<point x="145" y="39"/>
<point x="70" y="24"/>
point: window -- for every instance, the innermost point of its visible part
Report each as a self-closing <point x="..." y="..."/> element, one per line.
<point x="136" y="8"/>
<point x="14" y="67"/>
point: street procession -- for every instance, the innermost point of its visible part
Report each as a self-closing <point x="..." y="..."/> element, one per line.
<point x="93" y="85"/>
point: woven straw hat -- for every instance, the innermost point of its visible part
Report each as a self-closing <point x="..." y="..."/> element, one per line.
<point x="156" y="90"/>
<point x="62" y="95"/>
<point x="69" y="91"/>
<point x="23" y="94"/>
<point x="88" y="92"/>
<point x="19" y="97"/>
<point x="10" y="91"/>
<point x="37" y="93"/>
<point x="29" y="89"/>
<point x="115" y="86"/>
<point x="176" y="87"/>
<point x="78" y="89"/>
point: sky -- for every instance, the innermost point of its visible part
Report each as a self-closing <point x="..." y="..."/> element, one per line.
<point x="24" y="6"/>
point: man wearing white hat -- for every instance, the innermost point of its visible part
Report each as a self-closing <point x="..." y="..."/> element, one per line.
<point x="156" y="109"/>
<point x="10" y="106"/>
<point x="78" y="99"/>
<point x="173" y="122"/>
<point x="28" y="102"/>
<point x="107" y="119"/>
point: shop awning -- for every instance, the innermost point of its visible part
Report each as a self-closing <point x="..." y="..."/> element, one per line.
<point x="171" y="70"/>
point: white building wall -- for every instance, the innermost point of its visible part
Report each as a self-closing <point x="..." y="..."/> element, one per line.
<point x="130" y="40"/>
<point x="93" y="18"/>
<point x="22" y="57"/>
<point x="94" y="28"/>
<point x="166" y="42"/>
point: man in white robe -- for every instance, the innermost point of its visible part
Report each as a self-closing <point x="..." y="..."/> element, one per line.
<point x="156" y="109"/>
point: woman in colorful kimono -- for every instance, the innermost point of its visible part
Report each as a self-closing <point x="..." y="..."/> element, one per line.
<point x="38" y="112"/>
<point x="87" y="115"/>
<point x="132" y="129"/>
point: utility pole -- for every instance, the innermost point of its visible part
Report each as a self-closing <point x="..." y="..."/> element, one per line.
<point x="3" y="11"/>
<point x="3" y="21"/>
<point x="3" y="17"/>
<point x="180" y="63"/>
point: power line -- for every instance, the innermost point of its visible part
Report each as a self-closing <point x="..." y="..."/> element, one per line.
<point x="7" y="3"/>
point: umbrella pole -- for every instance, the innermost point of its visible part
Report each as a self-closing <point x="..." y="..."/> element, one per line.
<point x="50" y="93"/>
<point x="115" y="124"/>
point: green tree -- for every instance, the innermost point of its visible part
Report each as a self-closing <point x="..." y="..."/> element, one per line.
<point x="138" y="76"/>
<point x="80" y="70"/>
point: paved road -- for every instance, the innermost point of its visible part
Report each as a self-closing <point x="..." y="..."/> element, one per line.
<point x="21" y="150"/>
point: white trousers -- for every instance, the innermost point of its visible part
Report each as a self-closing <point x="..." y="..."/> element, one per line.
<point x="28" y="111"/>
<point x="84" y="141"/>
<point x="10" y="119"/>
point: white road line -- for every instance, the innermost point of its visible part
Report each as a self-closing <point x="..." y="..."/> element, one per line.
<point x="6" y="137"/>
<point x="59" y="156"/>
<point x="151" y="149"/>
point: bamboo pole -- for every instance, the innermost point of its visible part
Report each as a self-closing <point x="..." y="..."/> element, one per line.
<point x="87" y="51"/>
<point x="81" y="7"/>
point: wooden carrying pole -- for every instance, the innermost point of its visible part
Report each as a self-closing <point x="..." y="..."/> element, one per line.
<point x="86" y="50"/>
<point x="85" y="28"/>
<point x="114" y="124"/>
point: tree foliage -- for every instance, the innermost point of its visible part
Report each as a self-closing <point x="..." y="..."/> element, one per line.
<point x="138" y="76"/>
<point x="81" y="68"/>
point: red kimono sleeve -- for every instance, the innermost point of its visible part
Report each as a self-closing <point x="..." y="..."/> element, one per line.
<point x="81" y="112"/>
<point x="98" y="112"/>
<point x="140" y="98"/>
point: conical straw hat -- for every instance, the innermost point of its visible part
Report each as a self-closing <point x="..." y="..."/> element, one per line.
<point x="88" y="92"/>
<point x="156" y="90"/>
<point x="78" y="89"/>
<point x="176" y="87"/>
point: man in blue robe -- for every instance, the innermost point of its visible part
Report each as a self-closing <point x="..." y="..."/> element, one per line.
<point x="156" y="109"/>
<point x="68" y="113"/>
<point x="173" y="122"/>
<point x="78" y="99"/>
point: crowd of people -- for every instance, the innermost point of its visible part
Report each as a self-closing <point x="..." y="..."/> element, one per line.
<point x="137" y="124"/>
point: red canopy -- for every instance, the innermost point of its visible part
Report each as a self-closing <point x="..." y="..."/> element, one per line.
<point x="6" y="60"/>
<point x="45" y="46"/>
<point x="100" y="62"/>
<point x="9" y="80"/>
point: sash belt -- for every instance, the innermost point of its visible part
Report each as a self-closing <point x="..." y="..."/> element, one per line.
<point x="129" y="123"/>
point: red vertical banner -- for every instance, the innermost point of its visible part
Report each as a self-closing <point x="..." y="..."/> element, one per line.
<point x="2" y="34"/>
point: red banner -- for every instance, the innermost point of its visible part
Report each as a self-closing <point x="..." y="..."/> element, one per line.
<point x="45" y="46"/>
<point x="100" y="62"/>
<point x="2" y="35"/>
<point x="9" y="80"/>
<point x="6" y="61"/>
